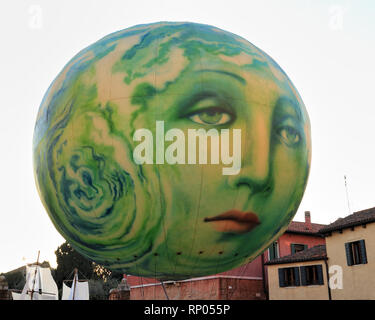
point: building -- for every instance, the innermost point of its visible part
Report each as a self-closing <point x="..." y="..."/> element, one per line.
<point x="5" y="294"/>
<point x="243" y="283"/>
<point x="299" y="276"/>
<point x="298" y="237"/>
<point x="343" y="269"/>
<point x="248" y="282"/>
<point x="122" y="292"/>
<point x="351" y="247"/>
<point x="216" y="287"/>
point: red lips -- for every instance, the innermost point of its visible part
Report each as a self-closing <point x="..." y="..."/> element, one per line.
<point x="234" y="221"/>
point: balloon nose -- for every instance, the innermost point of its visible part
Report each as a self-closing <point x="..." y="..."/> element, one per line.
<point x="255" y="169"/>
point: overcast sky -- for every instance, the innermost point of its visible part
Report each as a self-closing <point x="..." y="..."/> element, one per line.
<point x="327" y="48"/>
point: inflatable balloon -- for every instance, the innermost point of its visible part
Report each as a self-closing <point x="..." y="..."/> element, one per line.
<point x="171" y="151"/>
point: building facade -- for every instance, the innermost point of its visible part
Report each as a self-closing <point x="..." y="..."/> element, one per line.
<point x="298" y="237"/>
<point x="216" y="287"/>
<point x="300" y="276"/>
<point x="343" y="269"/>
<point x="351" y="249"/>
<point x="122" y="292"/>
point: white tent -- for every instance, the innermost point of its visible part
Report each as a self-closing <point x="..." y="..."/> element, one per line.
<point x="78" y="291"/>
<point x="39" y="285"/>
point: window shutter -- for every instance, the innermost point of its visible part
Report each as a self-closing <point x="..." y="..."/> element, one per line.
<point x="292" y="248"/>
<point x="271" y="252"/>
<point x="303" y="276"/>
<point x="320" y="274"/>
<point x="281" y="278"/>
<point x="349" y="256"/>
<point x="363" y="251"/>
<point x="305" y="247"/>
<point x="296" y="275"/>
<point x="277" y="250"/>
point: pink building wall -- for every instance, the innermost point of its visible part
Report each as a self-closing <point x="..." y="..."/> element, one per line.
<point x="287" y="239"/>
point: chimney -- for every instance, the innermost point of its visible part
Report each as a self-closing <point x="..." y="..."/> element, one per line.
<point x="308" y="220"/>
<point x="124" y="288"/>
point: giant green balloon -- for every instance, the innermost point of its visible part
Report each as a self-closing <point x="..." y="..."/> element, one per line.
<point x="153" y="212"/>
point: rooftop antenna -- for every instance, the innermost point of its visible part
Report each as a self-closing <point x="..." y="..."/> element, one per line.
<point x="347" y="195"/>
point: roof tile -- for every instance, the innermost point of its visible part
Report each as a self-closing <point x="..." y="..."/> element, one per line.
<point x="302" y="227"/>
<point x="311" y="254"/>
<point x="355" y="219"/>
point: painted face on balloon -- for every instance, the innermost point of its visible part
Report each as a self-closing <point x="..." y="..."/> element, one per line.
<point x="218" y="218"/>
<point x="175" y="221"/>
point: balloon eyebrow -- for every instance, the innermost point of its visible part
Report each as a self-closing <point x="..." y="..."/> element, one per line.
<point x="287" y="106"/>
<point x="233" y="75"/>
<point x="186" y="104"/>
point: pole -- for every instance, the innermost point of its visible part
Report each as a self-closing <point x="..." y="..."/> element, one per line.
<point x="165" y="292"/>
<point x="347" y="195"/>
<point x="264" y="278"/>
<point x="327" y="273"/>
<point x="36" y="270"/>
<point x="75" y="281"/>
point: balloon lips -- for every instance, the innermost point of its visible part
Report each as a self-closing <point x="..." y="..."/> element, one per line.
<point x="234" y="221"/>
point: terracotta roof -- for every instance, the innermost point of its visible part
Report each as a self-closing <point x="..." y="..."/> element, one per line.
<point x="314" y="253"/>
<point x="140" y="281"/>
<point x="355" y="219"/>
<point x="302" y="227"/>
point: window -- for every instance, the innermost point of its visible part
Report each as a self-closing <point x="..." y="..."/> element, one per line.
<point x="356" y="252"/>
<point x="312" y="275"/>
<point x="296" y="247"/>
<point x="289" y="277"/>
<point x="273" y="251"/>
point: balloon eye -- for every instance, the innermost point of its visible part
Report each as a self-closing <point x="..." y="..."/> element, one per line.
<point x="289" y="135"/>
<point x="211" y="117"/>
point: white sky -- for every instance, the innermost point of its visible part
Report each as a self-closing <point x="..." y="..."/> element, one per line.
<point x="327" y="48"/>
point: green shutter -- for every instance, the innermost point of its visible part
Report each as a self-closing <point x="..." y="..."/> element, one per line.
<point x="272" y="252"/>
<point x="281" y="278"/>
<point x="349" y="255"/>
<point x="275" y="248"/>
<point x="363" y="251"/>
<point x="303" y="276"/>
<point x="292" y="248"/>
<point x="320" y="274"/>
<point x="305" y="247"/>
